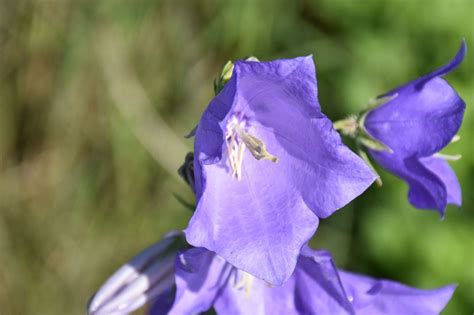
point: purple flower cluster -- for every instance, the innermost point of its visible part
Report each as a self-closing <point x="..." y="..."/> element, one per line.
<point x="268" y="164"/>
<point x="204" y="280"/>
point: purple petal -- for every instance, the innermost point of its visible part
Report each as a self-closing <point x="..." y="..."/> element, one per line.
<point x="259" y="298"/>
<point x="323" y="289"/>
<point x="209" y="137"/>
<point x="312" y="158"/>
<point x="163" y="303"/>
<point x="427" y="190"/>
<point x="446" y="174"/>
<point x="258" y="224"/>
<point x="319" y="289"/>
<point x="391" y="298"/>
<point x="205" y="280"/>
<point x="200" y="276"/>
<point x="423" y="115"/>
<point x="441" y="71"/>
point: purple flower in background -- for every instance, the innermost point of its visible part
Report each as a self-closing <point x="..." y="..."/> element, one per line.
<point x="205" y="280"/>
<point x="197" y="280"/>
<point x="419" y="119"/>
<point x="268" y="164"/>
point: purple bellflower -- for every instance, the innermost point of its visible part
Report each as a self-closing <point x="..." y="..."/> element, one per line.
<point x="200" y="280"/>
<point x="405" y="134"/>
<point x="420" y="118"/>
<point x="268" y="164"/>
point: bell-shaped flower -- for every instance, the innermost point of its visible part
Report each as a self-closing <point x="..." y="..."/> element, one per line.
<point x="268" y="164"/>
<point x="418" y="120"/>
<point x="204" y="281"/>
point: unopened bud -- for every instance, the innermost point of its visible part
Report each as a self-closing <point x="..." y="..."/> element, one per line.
<point x="142" y="279"/>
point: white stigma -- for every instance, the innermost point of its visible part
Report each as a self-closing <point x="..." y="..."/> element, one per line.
<point x="237" y="138"/>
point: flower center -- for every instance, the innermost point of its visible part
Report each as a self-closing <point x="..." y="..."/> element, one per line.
<point x="238" y="138"/>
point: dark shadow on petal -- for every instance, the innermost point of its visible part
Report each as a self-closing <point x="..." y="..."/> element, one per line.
<point x="427" y="191"/>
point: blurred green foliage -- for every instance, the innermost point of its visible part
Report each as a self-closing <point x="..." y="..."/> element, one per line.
<point x="95" y="97"/>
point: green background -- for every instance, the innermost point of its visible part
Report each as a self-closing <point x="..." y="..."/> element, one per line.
<point x="95" y="97"/>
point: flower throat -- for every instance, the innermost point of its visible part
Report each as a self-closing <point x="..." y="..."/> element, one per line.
<point x="238" y="138"/>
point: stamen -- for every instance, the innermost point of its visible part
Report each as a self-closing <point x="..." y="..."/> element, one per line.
<point x="448" y="157"/>
<point x="237" y="139"/>
<point x="255" y="146"/>
<point x="245" y="283"/>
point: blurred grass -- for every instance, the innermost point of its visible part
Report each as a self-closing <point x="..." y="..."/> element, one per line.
<point x="95" y="97"/>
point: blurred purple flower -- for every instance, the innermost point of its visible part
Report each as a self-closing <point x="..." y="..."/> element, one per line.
<point x="268" y="164"/>
<point x="419" y="119"/>
<point x="205" y="280"/>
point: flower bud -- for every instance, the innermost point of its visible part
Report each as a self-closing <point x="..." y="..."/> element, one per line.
<point x="142" y="279"/>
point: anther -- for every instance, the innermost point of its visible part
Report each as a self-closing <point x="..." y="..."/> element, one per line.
<point x="255" y="146"/>
<point x="245" y="283"/>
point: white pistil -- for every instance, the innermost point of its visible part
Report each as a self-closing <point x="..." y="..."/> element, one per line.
<point x="237" y="139"/>
<point x="235" y="148"/>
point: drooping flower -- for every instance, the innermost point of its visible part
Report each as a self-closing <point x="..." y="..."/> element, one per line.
<point x="405" y="134"/>
<point x="418" y="120"/>
<point x="202" y="280"/>
<point x="268" y="164"/>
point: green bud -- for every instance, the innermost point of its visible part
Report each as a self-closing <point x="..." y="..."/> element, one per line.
<point x="226" y="74"/>
<point x="224" y="77"/>
<point x="227" y="71"/>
